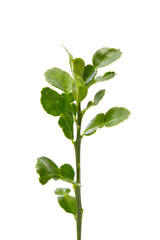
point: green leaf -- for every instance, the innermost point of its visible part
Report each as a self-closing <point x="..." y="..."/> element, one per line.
<point x="47" y="170"/>
<point x="66" y="123"/>
<point x="105" y="56"/>
<point x="89" y="73"/>
<point x="52" y="102"/>
<point x="96" y="122"/>
<point x="68" y="203"/>
<point x="62" y="191"/>
<point x="78" y="66"/>
<point x="115" y="116"/>
<point x="59" y="79"/>
<point x="106" y="76"/>
<point x="68" y="100"/>
<point x="98" y="96"/>
<point x="79" y="92"/>
<point x="67" y="172"/>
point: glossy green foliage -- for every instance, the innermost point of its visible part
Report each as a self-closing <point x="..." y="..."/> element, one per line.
<point x="105" y="56"/>
<point x="66" y="123"/>
<point x="62" y="191"/>
<point x="68" y="203"/>
<point x="52" y="102"/>
<point x="113" y="117"/>
<point x="47" y="170"/>
<point x="67" y="106"/>
<point x="59" y="79"/>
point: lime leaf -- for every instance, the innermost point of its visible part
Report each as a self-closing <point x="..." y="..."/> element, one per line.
<point x="66" y="123"/>
<point x="78" y="66"/>
<point x="115" y="116"/>
<point x="68" y="100"/>
<point x="47" y="170"/>
<point x="106" y="76"/>
<point x="59" y="79"/>
<point x="98" y="96"/>
<point x="105" y="56"/>
<point x="62" y="191"/>
<point x="89" y="73"/>
<point x="68" y="203"/>
<point x="52" y="102"/>
<point x="79" y="91"/>
<point x="67" y="172"/>
<point x="96" y="122"/>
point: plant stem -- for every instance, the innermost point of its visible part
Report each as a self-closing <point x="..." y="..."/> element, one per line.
<point x="78" y="172"/>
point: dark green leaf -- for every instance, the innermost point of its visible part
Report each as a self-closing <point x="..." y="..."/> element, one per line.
<point x="105" y="56"/>
<point x="79" y="92"/>
<point x="115" y="116"/>
<point x="66" y="123"/>
<point x="68" y="203"/>
<point x="106" y="76"/>
<point x="89" y="104"/>
<point x="98" y="96"/>
<point x="68" y="100"/>
<point x="62" y="191"/>
<point x="47" y="170"/>
<point x="67" y="172"/>
<point x="96" y="122"/>
<point x="89" y="73"/>
<point x="78" y="66"/>
<point x="52" y="102"/>
<point x="59" y="79"/>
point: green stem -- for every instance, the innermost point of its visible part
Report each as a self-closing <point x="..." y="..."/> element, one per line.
<point x="78" y="172"/>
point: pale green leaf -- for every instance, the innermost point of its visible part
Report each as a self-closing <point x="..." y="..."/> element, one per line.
<point x="106" y="76"/>
<point x="78" y="66"/>
<point x="115" y="116"/>
<point x="62" y="191"/>
<point x="79" y="92"/>
<point x="66" y="123"/>
<point x="59" y="79"/>
<point x="105" y="56"/>
<point x="68" y="203"/>
<point x="52" y="102"/>
<point x="47" y="170"/>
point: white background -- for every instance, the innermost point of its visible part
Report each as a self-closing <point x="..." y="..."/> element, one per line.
<point x="120" y="165"/>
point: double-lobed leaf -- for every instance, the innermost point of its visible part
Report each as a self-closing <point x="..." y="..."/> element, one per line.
<point x="47" y="170"/>
<point x="62" y="191"/>
<point x="113" y="117"/>
<point x="105" y="56"/>
<point x="59" y="79"/>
